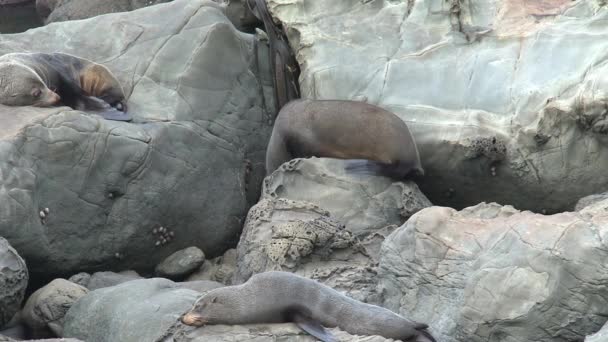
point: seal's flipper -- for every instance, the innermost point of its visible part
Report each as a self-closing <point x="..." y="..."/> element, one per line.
<point x="312" y="327"/>
<point x="115" y="115"/>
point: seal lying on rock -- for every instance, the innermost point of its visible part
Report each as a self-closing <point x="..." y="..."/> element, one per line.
<point x="275" y="297"/>
<point x="48" y="79"/>
<point x="380" y="141"/>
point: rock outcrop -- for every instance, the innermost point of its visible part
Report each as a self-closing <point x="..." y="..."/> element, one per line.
<point x="13" y="281"/>
<point x="492" y="273"/>
<point x="505" y="96"/>
<point x="51" y="11"/>
<point x="191" y="161"/>
<point x="317" y="220"/>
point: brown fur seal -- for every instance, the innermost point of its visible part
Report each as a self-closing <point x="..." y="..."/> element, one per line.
<point x="48" y="79"/>
<point x="275" y="297"/>
<point x="345" y="130"/>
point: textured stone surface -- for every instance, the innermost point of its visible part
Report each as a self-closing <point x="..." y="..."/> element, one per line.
<point x="18" y="16"/>
<point x="191" y="161"/>
<point x="61" y="10"/>
<point x="45" y="309"/>
<point x="320" y="222"/>
<point x="505" y="96"/>
<point x="590" y="200"/>
<point x="181" y="263"/>
<point x="13" y="281"/>
<point x="600" y="336"/>
<point x="492" y="273"/>
<point x="220" y="269"/>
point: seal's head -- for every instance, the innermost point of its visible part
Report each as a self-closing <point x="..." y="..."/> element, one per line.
<point x="213" y="308"/>
<point x="22" y="86"/>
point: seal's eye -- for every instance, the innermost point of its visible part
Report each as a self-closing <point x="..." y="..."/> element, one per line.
<point x="36" y="92"/>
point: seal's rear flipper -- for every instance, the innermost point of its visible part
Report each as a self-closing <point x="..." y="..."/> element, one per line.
<point x="313" y="327"/>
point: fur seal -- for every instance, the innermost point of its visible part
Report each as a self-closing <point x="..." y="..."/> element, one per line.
<point x="379" y="139"/>
<point x="49" y="79"/>
<point x="275" y="297"/>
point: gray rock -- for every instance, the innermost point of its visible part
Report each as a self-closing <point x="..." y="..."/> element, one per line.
<point x="139" y="310"/>
<point x="492" y="273"/>
<point x="13" y="281"/>
<point x="600" y="336"/>
<point x="181" y="263"/>
<point x="62" y="10"/>
<point x="45" y="309"/>
<point x="18" y="16"/>
<point x="316" y="220"/>
<point x="590" y="200"/>
<point x="201" y="286"/>
<point x="220" y="269"/>
<point x="504" y="96"/>
<point x="100" y="280"/>
<point x="192" y="160"/>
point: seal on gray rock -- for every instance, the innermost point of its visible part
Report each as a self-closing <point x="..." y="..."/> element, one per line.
<point x="48" y="79"/>
<point x="378" y="140"/>
<point x="276" y="297"/>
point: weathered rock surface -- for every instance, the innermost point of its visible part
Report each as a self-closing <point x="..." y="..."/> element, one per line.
<point x="100" y="280"/>
<point x="13" y="281"/>
<point x="62" y="10"/>
<point x="600" y="336"/>
<point x="220" y="269"/>
<point x="45" y="309"/>
<point x="18" y="16"/>
<point x="505" y="96"/>
<point x="316" y="220"/>
<point x="181" y="263"/>
<point x="149" y="310"/>
<point x="492" y="273"/>
<point x="191" y="161"/>
<point x="590" y="200"/>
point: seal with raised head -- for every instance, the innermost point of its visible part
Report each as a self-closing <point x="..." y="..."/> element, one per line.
<point x="377" y="140"/>
<point x="50" y="79"/>
<point x="276" y="297"/>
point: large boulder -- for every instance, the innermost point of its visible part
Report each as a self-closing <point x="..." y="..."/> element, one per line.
<point x="13" y="281"/>
<point x="18" y="16"/>
<point x="505" y="96"/>
<point x="62" y="10"/>
<point x="493" y="273"/>
<point x="600" y="336"/>
<point x="319" y="221"/>
<point x="191" y="161"/>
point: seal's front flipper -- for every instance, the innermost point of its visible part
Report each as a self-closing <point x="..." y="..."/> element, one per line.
<point x="365" y="167"/>
<point x="115" y="115"/>
<point x="313" y="327"/>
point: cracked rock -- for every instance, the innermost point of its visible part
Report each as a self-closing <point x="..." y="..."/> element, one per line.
<point x="13" y="281"/>
<point x="493" y="273"/>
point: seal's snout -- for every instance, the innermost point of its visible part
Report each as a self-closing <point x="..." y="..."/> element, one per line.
<point x="192" y="318"/>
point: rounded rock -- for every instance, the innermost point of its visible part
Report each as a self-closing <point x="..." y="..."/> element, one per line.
<point x="181" y="263"/>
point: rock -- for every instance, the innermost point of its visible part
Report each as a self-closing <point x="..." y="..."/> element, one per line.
<point x="46" y="308"/>
<point x="181" y="263"/>
<point x="239" y="14"/>
<point x="100" y="280"/>
<point x="18" y="16"/>
<point x="318" y="221"/>
<point x="62" y="10"/>
<point x="191" y="162"/>
<point x="600" y="336"/>
<point x="504" y="96"/>
<point x="139" y="310"/>
<point x="13" y="281"/>
<point x="590" y="200"/>
<point x="201" y="286"/>
<point x="220" y="269"/>
<point x="494" y="273"/>
<point x="363" y="203"/>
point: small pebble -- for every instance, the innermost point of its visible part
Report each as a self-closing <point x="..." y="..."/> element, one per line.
<point x="171" y="234"/>
<point x="46" y="210"/>
<point x="157" y="243"/>
<point x="42" y="214"/>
